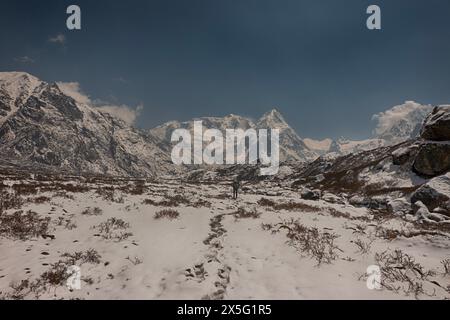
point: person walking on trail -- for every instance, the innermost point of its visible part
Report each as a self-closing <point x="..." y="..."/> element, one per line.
<point x="236" y="185"/>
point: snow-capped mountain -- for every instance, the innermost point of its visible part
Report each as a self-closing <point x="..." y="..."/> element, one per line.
<point x="398" y="124"/>
<point x="15" y="89"/>
<point x="401" y="122"/>
<point x="42" y="125"/>
<point x="292" y="147"/>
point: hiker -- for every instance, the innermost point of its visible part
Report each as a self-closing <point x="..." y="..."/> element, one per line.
<point x="236" y="185"/>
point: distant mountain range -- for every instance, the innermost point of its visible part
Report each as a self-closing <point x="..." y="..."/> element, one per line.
<point x="41" y="125"/>
<point x="292" y="147"/>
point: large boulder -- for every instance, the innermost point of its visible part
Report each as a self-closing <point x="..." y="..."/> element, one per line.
<point x="433" y="159"/>
<point x="399" y="207"/>
<point x="403" y="155"/>
<point x="436" y="126"/>
<point x="332" y="198"/>
<point x="308" y="194"/>
<point x="435" y="193"/>
<point x="375" y="203"/>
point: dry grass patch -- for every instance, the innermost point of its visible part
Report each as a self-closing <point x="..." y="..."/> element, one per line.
<point x="167" y="213"/>
<point x="114" y="228"/>
<point x="242" y="213"/>
<point x="23" y="225"/>
<point x="92" y="211"/>
<point x="10" y="201"/>
<point x="314" y="243"/>
<point x="57" y="275"/>
<point x="401" y="273"/>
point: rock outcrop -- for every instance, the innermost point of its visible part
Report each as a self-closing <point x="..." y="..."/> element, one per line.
<point x="436" y="126"/>
<point x="435" y="193"/>
<point x="433" y="158"/>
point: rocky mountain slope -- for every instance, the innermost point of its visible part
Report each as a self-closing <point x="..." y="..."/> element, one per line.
<point x="43" y="126"/>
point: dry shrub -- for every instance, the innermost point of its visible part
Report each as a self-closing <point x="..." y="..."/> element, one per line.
<point x="10" y="201"/>
<point x="169" y="201"/>
<point x="39" y="200"/>
<point x="56" y="275"/>
<point x="201" y="203"/>
<point x="242" y="213"/>
<point x="80" y="257"/>
<point x="167" y="213"/>
<point x="319" y="245"/>
<point x="67" y="223"/>
<point x="138" y="188"/>
<point x="109" y="194"/>
<point x="23" y="226"/>
<point x="401" y="273"/>
<point x="446" y="264"/>
<point x="26" y="188"/>
<point x="363" y="247"/>
<point x="74" y="188"/>
<point x="92" y="211"/>
<point x="266" y="202"/>
<point x="299" y="206"/>
<point x="113" y="228"/>
<point x="63" y="194"/>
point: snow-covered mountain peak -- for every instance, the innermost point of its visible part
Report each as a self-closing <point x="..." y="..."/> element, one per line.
<point x="17" y="84"/>
<point x="274" y="119"/>
<point x="15" y="89"/>
<point x="401" y="122"/>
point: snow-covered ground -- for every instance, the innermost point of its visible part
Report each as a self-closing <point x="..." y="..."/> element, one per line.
<point x="268" y="244"/>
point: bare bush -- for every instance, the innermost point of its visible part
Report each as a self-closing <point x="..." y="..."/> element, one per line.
<point x="138" y="188"/>
<point x="23" y="226"/>
<point x="266" y="202"/>
<point x="67" y="223"/>
<point x="167" y="213"/>
<point x="201" y="203"/>
<point x="446" y="264"/>
<point x="92" y="211"/>
<point x="401" y="273"/>
<point x="169" y="201"/>
<point x="10" y="201"/>
<point x="56" y="275"/>
<point x="363" y="247"/>
<point x="319" y="245"/>
<point x="110" y="194"/>
<point x="242" y="213"/>
<point x="113" y="228"/>
<point x="303" y="207"/>
<point x="80" y="257"/>
<point x="39" y="200"/>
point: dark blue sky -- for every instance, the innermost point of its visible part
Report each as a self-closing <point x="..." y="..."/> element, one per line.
<point x="312" y="59"/>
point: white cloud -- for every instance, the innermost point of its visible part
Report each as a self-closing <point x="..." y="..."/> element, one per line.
<point x="59" y="38"/>
<point x="410" y="112"/>
<point x="73" y="90"/>
<point x="24" y="59"/>
<point x="122" y="112"/>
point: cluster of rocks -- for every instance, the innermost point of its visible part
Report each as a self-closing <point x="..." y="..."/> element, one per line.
<point x="433" y="157"/>
<point x="316" y="194"/>
<point x="430" y="158"/>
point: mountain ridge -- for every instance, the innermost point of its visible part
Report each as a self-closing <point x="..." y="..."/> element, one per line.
<point x="38" y="119"/>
